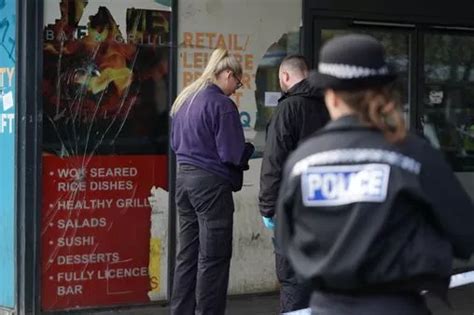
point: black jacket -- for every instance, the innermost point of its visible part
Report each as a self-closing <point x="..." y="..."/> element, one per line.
<point x="300" y="112"/>
<point x="360" y="214"/>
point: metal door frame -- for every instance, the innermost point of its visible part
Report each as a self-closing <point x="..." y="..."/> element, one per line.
<point x="29" y="58"/>
<point x="382" y="18"/>
<point x="420" y="27"/>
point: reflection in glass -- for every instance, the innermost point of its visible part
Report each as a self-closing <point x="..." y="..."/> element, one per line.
<point x="448" y="116"/>
<point x="396" y="46"/>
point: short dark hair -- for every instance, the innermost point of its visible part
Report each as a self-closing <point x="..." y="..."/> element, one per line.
<point x="295" y="62"/>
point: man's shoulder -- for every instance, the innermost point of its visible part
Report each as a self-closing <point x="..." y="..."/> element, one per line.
<point x="299" y="105"/>
<point x="292" y="101"/>
<point x="301" y="100"/>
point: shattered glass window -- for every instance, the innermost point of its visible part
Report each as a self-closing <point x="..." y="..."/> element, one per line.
<point x="105" y="141"/>
<point x="105" y="87"/>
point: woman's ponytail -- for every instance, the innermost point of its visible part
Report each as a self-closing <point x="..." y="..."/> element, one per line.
<point x="219" y="61"/>
<point x="379" y="107"/>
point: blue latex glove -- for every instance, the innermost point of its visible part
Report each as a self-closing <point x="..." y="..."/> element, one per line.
<point x="268" y="222"/>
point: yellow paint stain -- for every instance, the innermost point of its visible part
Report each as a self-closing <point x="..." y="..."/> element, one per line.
<point x="154" y="267"/>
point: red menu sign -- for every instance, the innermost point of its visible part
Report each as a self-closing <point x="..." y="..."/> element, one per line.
<point x="96" y="229"/>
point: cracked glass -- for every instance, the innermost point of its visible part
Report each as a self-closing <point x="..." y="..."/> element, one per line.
<point x="105" y="142"/>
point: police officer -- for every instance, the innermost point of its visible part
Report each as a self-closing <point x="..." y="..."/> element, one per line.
<point x="371" y="215"/>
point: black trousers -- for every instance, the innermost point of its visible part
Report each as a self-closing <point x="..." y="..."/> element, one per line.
<point x="205" y="208"/>
<point x="386" y="304"/>
<point x="294" y="295"/>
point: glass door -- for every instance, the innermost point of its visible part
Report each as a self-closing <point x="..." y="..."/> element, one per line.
<point x="396" y="40"/>
<point x="447" y="114"/>
<point x="436" y="80"/>
<point x="447" y="108"/>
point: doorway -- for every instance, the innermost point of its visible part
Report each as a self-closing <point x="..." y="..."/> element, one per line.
<point x="435" y="67"/>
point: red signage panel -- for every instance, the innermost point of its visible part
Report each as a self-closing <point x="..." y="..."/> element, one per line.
<point x="96" y="221"/>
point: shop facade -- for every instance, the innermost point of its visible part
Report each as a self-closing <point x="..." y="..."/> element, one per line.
<point x="86" y="98"/>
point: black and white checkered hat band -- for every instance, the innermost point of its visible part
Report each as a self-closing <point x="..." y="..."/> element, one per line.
<point x="343" y="71"/>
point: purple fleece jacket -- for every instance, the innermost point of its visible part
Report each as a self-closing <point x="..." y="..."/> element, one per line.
<point x="208" y="133"/>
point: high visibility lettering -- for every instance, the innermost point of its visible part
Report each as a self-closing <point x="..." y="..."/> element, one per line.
<point x="344" y="184"/>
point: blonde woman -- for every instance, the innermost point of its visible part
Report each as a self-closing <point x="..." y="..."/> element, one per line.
<point x="208" y="140"/>
<point x="371" y="215"/>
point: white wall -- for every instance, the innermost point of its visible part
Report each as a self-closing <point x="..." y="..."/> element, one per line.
<point x="252" y="266"/>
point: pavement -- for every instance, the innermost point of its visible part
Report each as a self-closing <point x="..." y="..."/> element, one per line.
<point x="261" y="304"/>
<point x="461" y="299"/>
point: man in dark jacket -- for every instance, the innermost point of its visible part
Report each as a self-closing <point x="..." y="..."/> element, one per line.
<point x="300" y="112"/>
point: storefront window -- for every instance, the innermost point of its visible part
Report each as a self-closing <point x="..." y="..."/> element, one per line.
<point x="105" y="143"/>
<point x="448" y="112"/>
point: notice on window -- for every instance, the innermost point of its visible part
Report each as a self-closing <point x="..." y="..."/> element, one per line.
<point x="103" y="230"/>
<point x="271" y="99"/>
